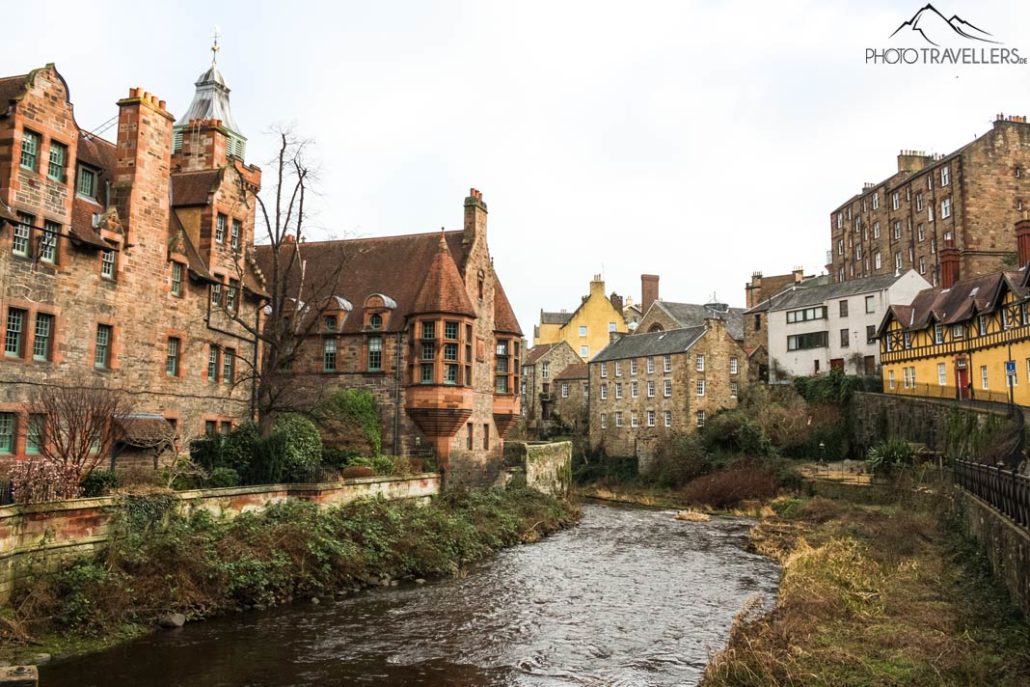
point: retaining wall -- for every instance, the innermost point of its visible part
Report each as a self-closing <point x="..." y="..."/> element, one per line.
<point x="1006" y="545"/>
<point x="546" y="465"/>
<point x="43" y="534"/>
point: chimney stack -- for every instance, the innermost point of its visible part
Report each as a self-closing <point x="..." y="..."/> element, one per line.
<point x="648" y="291"/>
<point x="143" y="163"/>
<point x="475" y="218"/>
<point x="597" y="286"/>
<point x="1023" y="239"/>
<point x="616" y="301"/>
<point x="949" y="264"/>
<point x="799" y="274"/>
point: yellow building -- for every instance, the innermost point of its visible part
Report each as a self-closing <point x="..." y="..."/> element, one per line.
<point x="963" y="342"/>
<point x="588" y="328"/>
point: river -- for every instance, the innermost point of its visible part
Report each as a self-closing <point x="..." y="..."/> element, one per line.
<point x="630" y="597"/>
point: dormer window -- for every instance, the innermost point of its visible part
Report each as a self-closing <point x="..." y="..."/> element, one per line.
<point x="375" y="321"/>
<point x="329" y="322"/>
<point x="86" y="184"/>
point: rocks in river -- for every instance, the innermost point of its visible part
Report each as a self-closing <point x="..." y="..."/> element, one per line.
<point x="170" y="621"/>
<point x="19" y="676"/>
<point x="40" y="659"/>
<point x="693" y="516"/>
<point x="384" y="582"/>
<point x="315" y="600"/>
<point x="419" y="581"/>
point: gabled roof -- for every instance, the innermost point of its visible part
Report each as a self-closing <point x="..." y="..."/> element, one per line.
<point x="194" y="188"/>
<point x="656" y="343"/>
<point x="180" y="238"/>
<point x="442" y="290"/>
<point x="573" y="371"/>
<point x="963" y="301"/>
<point x="694" y="315"/>
<point x="555" y="317"/>
<point x="804" y="295"/>
<point x="97" y="152"/>
<point x="395" y="266"/>
<point x="536" y="352"/>
<point x="504" y="315"/>
<point x="11" y="87"/>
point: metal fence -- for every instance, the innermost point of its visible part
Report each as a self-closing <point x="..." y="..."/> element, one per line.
<point x="1006" y="490"/>
<point x="946" y="392"/>
<point x="6" y="493"/>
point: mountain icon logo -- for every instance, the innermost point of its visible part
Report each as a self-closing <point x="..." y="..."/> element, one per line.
<point x="929" y="23"/>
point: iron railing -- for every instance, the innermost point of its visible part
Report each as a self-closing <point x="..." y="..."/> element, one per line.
<point x="946" y="392"/>
<point x="6" y="493"/>
<point x="1006" y="490"/>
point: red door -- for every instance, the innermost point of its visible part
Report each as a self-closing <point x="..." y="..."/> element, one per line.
<point x="962" y="382"/>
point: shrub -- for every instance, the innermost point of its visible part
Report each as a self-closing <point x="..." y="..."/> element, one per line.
<point x="733" y="431"/>
<point x="223" y="477"/>
<point x="99" y="483"/>
<point x="349" y="423"/>
<point x="888" y="456"/>
<point x="296" y="445"/>
<point x="727" y="488"/>
<point x="36" y="480"/>
<point x="678" y="459"/>
<point x="380" y="465"/>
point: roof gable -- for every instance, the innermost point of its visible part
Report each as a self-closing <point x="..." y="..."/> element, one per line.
<point x="656" y="343"/>
<point x="442" y="290"/>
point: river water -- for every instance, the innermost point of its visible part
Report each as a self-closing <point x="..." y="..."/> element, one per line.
<point x="629" y="597"/>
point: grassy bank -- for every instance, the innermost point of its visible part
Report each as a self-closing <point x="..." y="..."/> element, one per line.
<point x="874" y="595"/>
<point x="158" y="562"/>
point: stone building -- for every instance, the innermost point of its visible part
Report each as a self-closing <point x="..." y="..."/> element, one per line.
<point x="124" y="263"/>
<point x="422" y="322"/>
<point x="662" y="315"/>
<point x="588" y="327"/>
<point x="572" y="398"/>
<point x="756" y="321"/>
<point x="646" y="386"/>
<point x="965" y="201"/>
<point x="814" y="327"/>
<point x="542" y="365"/>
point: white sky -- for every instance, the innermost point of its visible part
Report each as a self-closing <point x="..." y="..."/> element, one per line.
<point x="695" y="140"/>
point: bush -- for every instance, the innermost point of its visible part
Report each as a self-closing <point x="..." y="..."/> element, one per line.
<point x="888" y="456"/>
<point x="380" y="465"/>
<point x="733" y="431"/>
<point x="99" y="483"/>
<point x="36" y="480"/>
<point x="349" y="423"/>
<point x="728" y="488"/>
<point x="678" y="459"/>
<point x="223" y="477"/>
<point x="296" y="446"/>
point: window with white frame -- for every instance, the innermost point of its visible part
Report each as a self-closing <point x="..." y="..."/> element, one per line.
<point x="545" y="370"/>
<point x="582" y="330"/>
<point x="667" y="363"/>
<point x="604" y="391"/>
<point x="958" y="331"/>
<point x="668" y="414"/>
<point x="633" y="420"/>
<point x="922" y="265"/>
<point x="667" y="388"/>
<point x="564" y="389"/>
<point x="929" y="213"/>
<point x="604" y="369"/>
<point x="618" y="368"/>
<point x="733" y="389"/>
<point x="618" y="390"/>
<point x="650" y="389"/>
<point x="938" y="333"/>
<point x="733" y="365"/>
<point x="584" y="351"/>
<point x="946" y="208"/>
<point x="897" y="261"/>
<point x="650" y="418"/>
<point x="633" y="367"/>
<point x="945" y="175"/>
<point x="983" y="377"/>
<point x="876" y="230"/>
<point x="650" y="364"/>
<point x="890" y="379"/>
<point x="611" y="327"/>
<point x="942" y="374"/>
<point x="604" y="421"/>
<point x="895" y="200"/>
<point x="870" y="304"/>
<point x="919" y="202"/>
<point x="634" y="389"/>
<point x="700" y="419"/>
<point x="897" y="229"/>
<point x="876" y="260"/>
<point x="699" y="362"/>
<point x="618" y="418"/>
<point x="700" y="387"/>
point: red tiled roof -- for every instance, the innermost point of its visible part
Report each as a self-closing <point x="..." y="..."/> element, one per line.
<point x="11" y="87"/>
<point x="536" y="352"/>
<point x="574" y="371"/>
<point x="194" y="188"/>
<point x="442" y="290"/>
<point x="81" y="228"/>
<point x="504" y="316"/>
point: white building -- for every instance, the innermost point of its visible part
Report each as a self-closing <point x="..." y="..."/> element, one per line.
<point x="815" y="327"/>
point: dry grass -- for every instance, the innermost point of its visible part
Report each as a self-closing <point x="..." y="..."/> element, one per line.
<point x="693" y="516"/>
<point x="873" y="596"/>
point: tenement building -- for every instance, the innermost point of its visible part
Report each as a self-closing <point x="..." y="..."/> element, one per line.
<point x="587" y="328"/>
<point x="421" y="321"/>
<point x="966" y="200"/>
<point x="758" y="292"/>
<point x="814" y="327"/>
<point x="659" y="315"/>
<point x="124" y="263"/>
<point x="969" y="340"/>
<point x="646" y="386"/>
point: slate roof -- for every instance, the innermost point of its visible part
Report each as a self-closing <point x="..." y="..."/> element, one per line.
<point x="144" y="430"/>
<point x="443" y="291"/>
<point x="573" y="371"/>
<point x="504" y="315"/>
<point x="816" y="293"/>
<point x="656" y="343"/>
<point x="694" y="315"/>
<point x="536" y="352"/>
<point x="81" y="228"/>
<point x="11" y="87"/>
<point x="395" y="266"/>
<point x="555" y="317"/>
<point x="964" y="300"/>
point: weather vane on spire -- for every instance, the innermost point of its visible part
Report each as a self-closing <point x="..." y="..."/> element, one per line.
<point x="214" y="46"/>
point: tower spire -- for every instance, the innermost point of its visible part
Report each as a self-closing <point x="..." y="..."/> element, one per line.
<point x="214" y="46"/>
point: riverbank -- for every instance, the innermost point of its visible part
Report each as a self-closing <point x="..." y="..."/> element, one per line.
<point x="159" y="564"/>
<point x="873" y="595"/>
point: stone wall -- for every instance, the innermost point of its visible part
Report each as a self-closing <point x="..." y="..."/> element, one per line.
<point x="46" y="533"/>
<point x="1006" y="545"/>
<point x="923" y="420"/>
<point x="547" y="466"/>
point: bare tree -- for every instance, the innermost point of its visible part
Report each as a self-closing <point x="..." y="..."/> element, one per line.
<point x="295" y="298"/>
<point x="77" y="426"/>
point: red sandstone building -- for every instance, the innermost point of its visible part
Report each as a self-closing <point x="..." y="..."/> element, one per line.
<point x="423" y="323"/>
<point x="130" y="264"/>
<point x="119" y="261"/>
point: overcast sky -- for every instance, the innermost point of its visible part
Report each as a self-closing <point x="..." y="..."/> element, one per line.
<point x="700" y="141"/>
